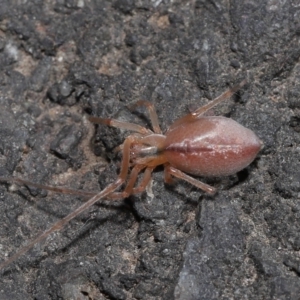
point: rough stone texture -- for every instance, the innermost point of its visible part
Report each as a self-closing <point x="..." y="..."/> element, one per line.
<point x="61" y="61"/>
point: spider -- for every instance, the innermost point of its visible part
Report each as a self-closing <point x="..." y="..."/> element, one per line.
<point x="199" y="145"/>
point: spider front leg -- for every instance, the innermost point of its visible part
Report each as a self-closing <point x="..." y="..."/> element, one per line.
<point x="103" y="194"/>
<point x="55" y="189"/>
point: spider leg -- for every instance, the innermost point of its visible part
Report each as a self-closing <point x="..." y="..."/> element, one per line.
<point x="132" y="126"/>
<point x="201" y="185"/>
<point x="145" y="181"/>
<point x="130" y="184"/>
<point x="61" y="223"/>
<point x="121" y="125"/>
<point x="56" y="189"/>
<point x="130" y="190"/>
<point x="200" y="111"/>
<point x="152" y="114"/>
<point x="167" y="175"/>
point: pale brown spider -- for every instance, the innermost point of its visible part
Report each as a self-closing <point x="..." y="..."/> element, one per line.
<point x="195" y="144"/>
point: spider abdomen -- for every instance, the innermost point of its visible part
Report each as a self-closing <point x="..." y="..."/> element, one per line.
<point x="211" y="146"/>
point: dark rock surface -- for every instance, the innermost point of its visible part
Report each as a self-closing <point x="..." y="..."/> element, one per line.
<point x="61" y="61"/>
